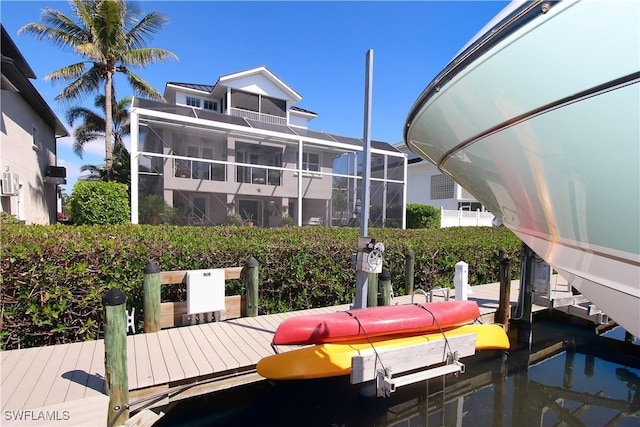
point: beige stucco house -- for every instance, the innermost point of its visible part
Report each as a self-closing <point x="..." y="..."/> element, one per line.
<point x="28" y="132"/>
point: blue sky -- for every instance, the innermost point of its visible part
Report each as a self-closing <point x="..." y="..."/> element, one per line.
<point x="317" y="48"/>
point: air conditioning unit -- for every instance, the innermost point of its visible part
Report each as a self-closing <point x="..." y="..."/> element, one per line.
<point x="55" y="175"/>
<point x="10" y="185"/>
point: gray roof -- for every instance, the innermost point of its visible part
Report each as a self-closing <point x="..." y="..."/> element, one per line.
<point x="239" y="121"/>
<point x="194" y="86"/>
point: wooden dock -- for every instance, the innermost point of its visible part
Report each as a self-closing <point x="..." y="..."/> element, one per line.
<point x="64" y="385"/>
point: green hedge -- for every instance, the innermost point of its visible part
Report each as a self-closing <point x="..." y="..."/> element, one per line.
<point x="423" y="216"/>
<point x="53" y="277"/>
<point x="99" y="203"/>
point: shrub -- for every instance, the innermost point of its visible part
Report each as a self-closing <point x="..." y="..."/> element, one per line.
<point x="53" y="277"/>
<point x="423" y="216"/>
<point x="99" y="203"/>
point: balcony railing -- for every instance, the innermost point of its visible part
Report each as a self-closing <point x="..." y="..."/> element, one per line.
<point x="261" y="117"/>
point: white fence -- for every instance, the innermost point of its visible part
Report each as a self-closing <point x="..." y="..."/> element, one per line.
<point x="461" y="218"/>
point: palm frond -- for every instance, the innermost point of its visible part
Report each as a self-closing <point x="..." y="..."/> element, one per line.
<point x="69" y="72"/>
<point x="86" y="83"/>
<point x="142" y="33"/>
<point x="141" y="87"/>
<point x="61" y="31"/>
<point x="145" y="56"/>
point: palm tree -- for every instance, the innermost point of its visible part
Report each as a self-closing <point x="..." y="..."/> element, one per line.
<point x="110" y="36"/>
<point x="93" y="127"/>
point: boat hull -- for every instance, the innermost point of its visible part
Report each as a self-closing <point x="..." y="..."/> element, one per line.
<point x="541" y="124"/>
<point x="375" y="321"/>
<point x="334" y="359"/>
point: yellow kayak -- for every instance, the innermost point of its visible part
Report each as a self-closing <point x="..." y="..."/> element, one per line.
<point x="331" y="360"/>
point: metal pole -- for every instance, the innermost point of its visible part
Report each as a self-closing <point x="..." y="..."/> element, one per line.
<point x="366" y="170"/>
<point x="362" y="277"/>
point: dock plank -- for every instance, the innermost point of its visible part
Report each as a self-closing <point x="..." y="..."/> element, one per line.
<point x="182" y="351"/>
<point x="58" y="391"/>
<point x="19" y="372"/>
<point x="217" y="345"/>
<point x="257" y="331"/>
<point x="17" y="364"/>
<point x="47" y="377"/>
<point x="200" y="360"/>
<point x="80" y="376"/>
<point x="247" y="341"/>
<point x="96" y="383"/>
<point x="131" y="363"/>
<point x="156" y="357"/>
<point x="213" y="358"/>
<point x="235" y="335"/>
<point x="171" y="360"/>
<point x="144" y="373"/>
<point x="229" y="344"/>
<point x="24" y="388"/>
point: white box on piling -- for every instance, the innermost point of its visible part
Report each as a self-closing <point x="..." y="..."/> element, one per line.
<point x="205" y="290"/>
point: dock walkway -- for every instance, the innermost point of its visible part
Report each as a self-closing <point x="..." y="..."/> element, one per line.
<point x="64" y="385"/>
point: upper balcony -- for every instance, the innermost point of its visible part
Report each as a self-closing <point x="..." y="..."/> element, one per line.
<point x="254" y="115"/>
<point x="257" y="107"/>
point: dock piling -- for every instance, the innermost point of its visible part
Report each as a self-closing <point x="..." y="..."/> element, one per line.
<point x="372" y="292"/>
<point x="504" y="305"/>
<point x="151" y="297"/>
<point x="409" y="259"/>
<point x="115" y="357"/>
<point x="251" y="266"/>
<point x="387" y="290"/>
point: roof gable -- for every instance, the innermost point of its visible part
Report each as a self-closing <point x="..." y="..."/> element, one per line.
<point x="259" y="80"/>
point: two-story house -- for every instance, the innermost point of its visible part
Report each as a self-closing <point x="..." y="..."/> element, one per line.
<point x="241" y="149"/>
<point x="28" y="133"/>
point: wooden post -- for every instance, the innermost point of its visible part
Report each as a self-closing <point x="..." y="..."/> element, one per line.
<point x="409" y="260"/>
<point x="504" y="306"/>
<point x="115" y="356"/>
<point x="372" y="292"/>
<point x="251" y="266"/>
<point x="526" y="292"/>
<point x="385" y="282"/>
<point x="151" y="297"/>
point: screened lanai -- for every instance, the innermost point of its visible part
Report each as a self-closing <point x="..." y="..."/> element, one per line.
<point x="196" y="167"/>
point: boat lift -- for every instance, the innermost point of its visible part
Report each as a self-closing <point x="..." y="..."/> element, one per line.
<point x="394" y="368"/>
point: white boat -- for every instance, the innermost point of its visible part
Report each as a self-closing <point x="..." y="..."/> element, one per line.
<point x="538" y="117"/>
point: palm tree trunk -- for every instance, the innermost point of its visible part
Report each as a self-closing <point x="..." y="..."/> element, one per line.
<point x="108" y="114"/>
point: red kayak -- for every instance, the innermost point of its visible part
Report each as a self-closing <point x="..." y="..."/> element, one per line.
<point x="403" y="319"/>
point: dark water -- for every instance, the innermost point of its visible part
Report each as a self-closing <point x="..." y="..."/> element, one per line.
<point x="568" y="376"/>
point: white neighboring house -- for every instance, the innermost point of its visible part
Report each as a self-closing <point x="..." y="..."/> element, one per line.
<point x="28" y="132"/>
<point x="427" y="185"/>
<point x="242" y="148"/>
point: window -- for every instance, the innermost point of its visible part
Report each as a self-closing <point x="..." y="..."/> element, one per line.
<point x="442" y="187"/>
<point x="210" y="105"/>
<point x="35" y="139"/>
<point x="310" y="162"/>
<point x="258" y="155"/>
<point x="193" y="102"/>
